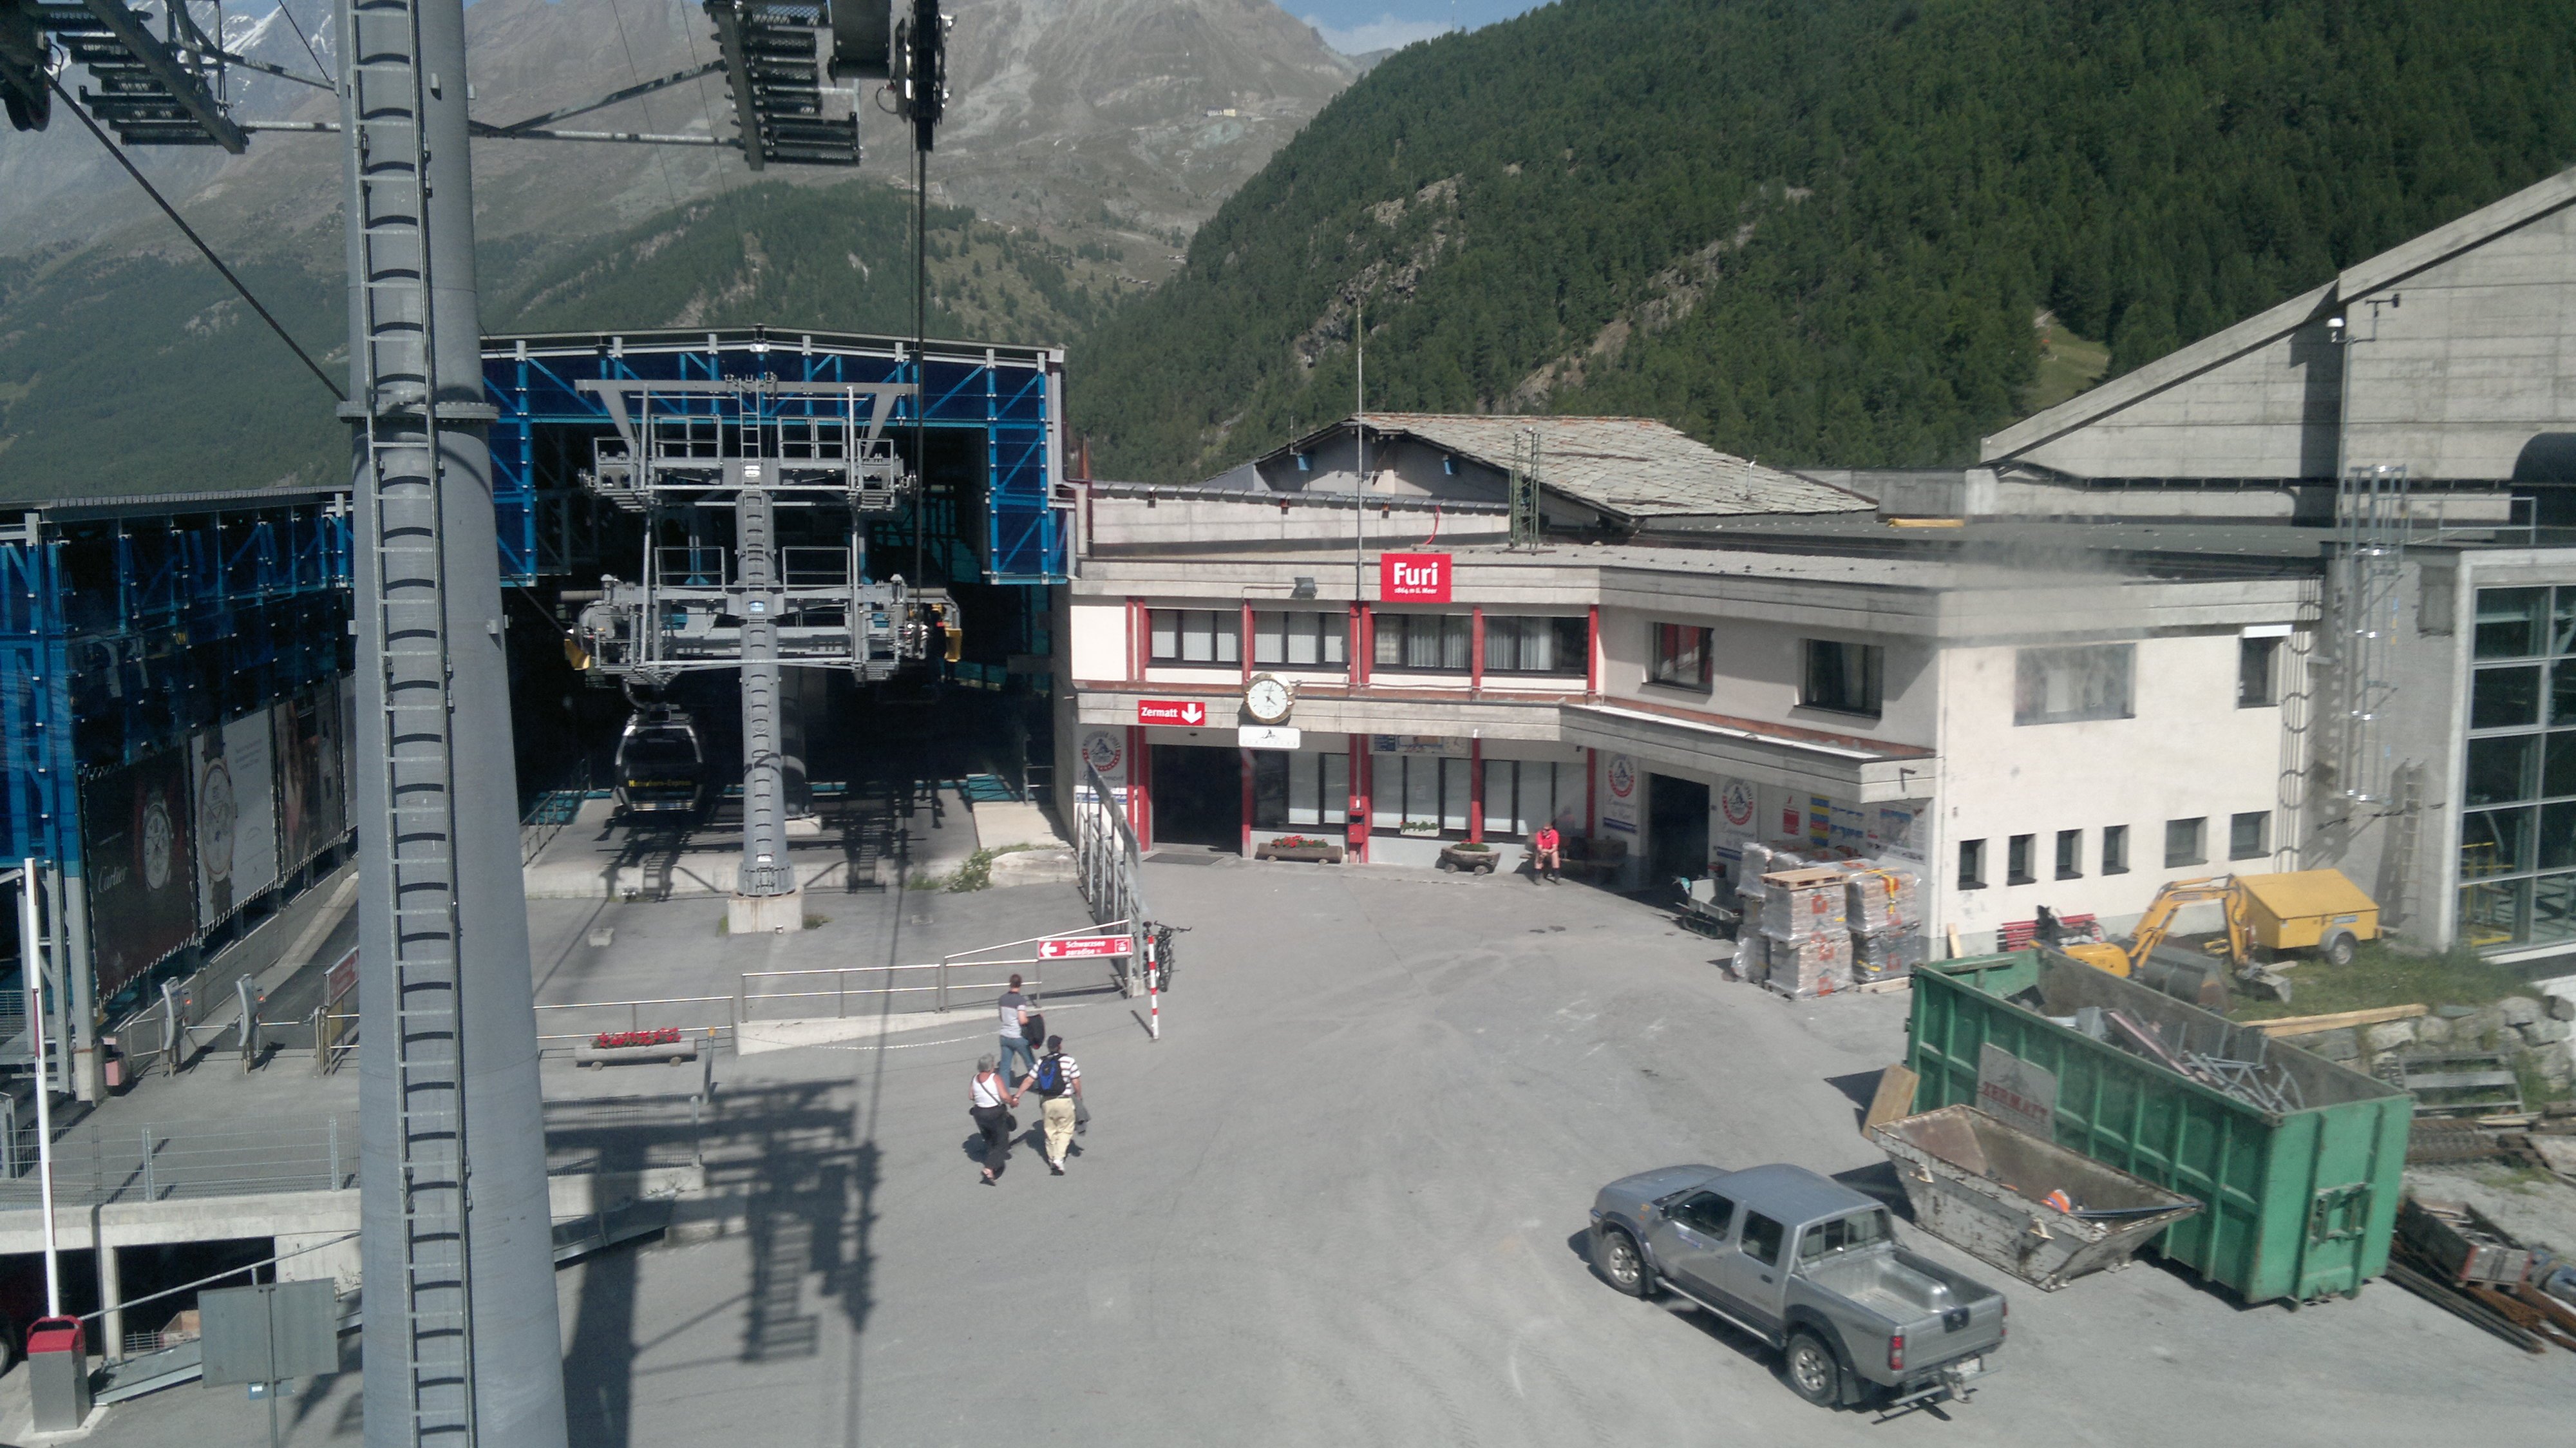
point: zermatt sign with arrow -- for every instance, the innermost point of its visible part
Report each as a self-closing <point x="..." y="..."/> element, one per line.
<point x="1188" y="713"/>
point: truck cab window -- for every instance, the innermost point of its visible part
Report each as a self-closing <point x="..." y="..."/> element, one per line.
<point x="1707" y="1214"/>
<point x="1762" y="1239"/>
<point x="1861" y="1229"/>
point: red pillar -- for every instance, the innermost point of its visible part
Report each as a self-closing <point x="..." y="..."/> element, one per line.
<point x="1355" y="833"/>
<point x="1363" y="644"/>
<point x="1246" y="846"/>
<point x="1243" y="643"/>
<point x="1476" y="776"/>
<point x="1592" y="655"/>
<point x="1476" y="649"/>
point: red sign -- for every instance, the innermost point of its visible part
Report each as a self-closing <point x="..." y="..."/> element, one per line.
<point x="1190" y="713"/>
<point x="1082" y="946"/>
<point x="1413" y="577"/>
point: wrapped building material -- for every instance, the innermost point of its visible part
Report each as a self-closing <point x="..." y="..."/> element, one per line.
<point x="1881" y="956"/>
<point x="1818" y="965"/>
<point x="1752" y="956"/>
<point x="1883" y="899"/>
<point x="1799" y="904"/>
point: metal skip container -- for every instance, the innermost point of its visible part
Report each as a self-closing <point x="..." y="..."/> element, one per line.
<point x="2298" y="1196"/>
<point x="1983" y="1186"/>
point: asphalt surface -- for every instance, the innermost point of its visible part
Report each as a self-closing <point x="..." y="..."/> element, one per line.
<point x="1342" y="1202"/>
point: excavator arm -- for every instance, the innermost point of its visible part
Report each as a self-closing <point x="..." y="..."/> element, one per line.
<point x="2158" y="921"/>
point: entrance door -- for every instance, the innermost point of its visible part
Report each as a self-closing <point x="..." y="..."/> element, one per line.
<point x="1198" y="796"/>
<point x="1676" y="829"/>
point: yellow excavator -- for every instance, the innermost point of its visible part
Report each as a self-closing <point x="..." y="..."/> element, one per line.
<point x="2300" y="910"/>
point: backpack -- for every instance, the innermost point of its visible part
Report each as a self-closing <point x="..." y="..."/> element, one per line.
<point x="1051" y="1076"/>
<point x="1035" y="1031"/>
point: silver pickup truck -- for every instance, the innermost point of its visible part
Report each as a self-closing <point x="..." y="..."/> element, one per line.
<point x="1812" y="1268"/>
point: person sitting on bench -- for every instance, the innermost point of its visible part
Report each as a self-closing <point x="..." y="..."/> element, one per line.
<point x="1547" y="852"/>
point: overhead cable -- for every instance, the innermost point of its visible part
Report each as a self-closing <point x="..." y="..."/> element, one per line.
<point x="190" y="232"/>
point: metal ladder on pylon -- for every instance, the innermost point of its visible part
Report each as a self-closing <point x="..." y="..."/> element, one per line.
<point x="383" y="102"/>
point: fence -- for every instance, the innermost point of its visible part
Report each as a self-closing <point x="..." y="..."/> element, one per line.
<point x="967" y="973"/>
<point x="1107" y="865"/>
<point x="155" y="1164"/>
<point x="574" y="1021"/>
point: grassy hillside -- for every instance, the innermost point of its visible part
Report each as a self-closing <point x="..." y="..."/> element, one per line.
<point x="1820" y="230"/>
<point x="140" y="374"/>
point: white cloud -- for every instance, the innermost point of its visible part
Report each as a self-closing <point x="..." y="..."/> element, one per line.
<point x="1386" y="32"/>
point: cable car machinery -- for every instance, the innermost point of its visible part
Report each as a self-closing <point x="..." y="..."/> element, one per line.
<point x="461" y="1329"/>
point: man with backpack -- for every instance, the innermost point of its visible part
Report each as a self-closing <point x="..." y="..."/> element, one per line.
<point x="1059" y="1080"/>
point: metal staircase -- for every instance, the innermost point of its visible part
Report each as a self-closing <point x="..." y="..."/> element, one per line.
<point x="384" y="105"/>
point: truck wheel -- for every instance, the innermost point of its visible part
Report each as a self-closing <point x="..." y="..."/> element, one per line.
<point x="1813" y="1373"/>
<point x="1616" y="1254"/>
<point x="2339" y="948"/>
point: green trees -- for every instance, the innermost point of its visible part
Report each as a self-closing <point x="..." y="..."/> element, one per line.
<point x="1818" y="231"/>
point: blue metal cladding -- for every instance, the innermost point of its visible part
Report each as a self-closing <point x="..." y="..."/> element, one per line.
<point x="123" y="630"/>
<point x="1007" y="398"/>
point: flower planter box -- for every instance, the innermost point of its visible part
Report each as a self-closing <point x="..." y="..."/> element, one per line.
<point x="595" y="1056"/>
<point x="1322" y="854"/>
<point x="1479" y="862"/>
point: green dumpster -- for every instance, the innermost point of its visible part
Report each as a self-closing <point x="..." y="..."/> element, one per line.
<point x="2296" y="1203"/>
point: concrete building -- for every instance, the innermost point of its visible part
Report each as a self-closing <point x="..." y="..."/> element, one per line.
<point x="2029" y="714"/>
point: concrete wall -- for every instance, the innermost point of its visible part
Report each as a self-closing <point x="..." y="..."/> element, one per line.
<point x="2187" y="752"/>
<point x="2266" y="412"/>
<point x="1757" y="668"/>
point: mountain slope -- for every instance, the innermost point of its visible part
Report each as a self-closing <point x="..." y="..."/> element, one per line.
<point x="1820" y="231"/>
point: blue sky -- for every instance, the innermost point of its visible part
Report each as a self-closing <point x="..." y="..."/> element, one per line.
<point x="1357" y="26"/>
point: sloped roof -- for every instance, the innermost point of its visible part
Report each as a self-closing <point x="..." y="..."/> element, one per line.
<point x="2391" y="266"/>
<point x="1631" y="467"/>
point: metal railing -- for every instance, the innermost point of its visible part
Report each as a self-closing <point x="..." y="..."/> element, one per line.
<point x="155" y="1164"/>
<point x="937" y="979"/>
<point x="1108" y="864"/>
<point x="582" y="1020"/>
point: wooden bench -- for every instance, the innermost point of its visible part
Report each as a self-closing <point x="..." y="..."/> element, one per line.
<point x="2071" y="930"/>
<point x="1596" y="855"/>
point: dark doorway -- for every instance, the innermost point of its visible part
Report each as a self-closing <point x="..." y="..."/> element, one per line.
<point x="1198" y="796"/>
<point x="1676" y="829"/>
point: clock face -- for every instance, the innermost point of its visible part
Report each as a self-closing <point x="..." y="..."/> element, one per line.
<point x="1268" y="699"/>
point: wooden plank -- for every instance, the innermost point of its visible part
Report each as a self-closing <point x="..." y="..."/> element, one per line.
<point x="2304" y="1025"/>
<point x="1894" y="1100"/>
<point x="2460" y="1305"/>
<point x="1955" y="951"/>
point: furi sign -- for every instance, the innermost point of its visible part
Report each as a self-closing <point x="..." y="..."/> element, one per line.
<point x="1413" y="577"/>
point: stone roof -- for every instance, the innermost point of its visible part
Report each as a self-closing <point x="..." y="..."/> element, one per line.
<point x="1631" y="467"/>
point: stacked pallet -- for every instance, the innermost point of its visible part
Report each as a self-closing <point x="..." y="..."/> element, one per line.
<point x="1885" y="911"/>
<point x="1806" y="939"/>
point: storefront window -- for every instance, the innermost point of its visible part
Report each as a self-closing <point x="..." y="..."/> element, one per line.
<point x="1522" y="794"/>
<point x="1291" y="789"/>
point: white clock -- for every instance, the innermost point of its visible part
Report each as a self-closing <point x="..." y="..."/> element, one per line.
<point x="1268" y="698"/>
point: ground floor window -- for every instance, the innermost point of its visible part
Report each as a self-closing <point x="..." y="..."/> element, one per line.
<point x="1290" y="790"/>
<point x="1522" y="794"/>
<point x="1423" y="794"/>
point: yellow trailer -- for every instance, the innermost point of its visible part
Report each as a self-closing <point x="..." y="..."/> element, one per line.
<point x="2316" y="910"/>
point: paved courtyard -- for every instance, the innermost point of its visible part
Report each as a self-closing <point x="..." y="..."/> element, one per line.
<point x="1341" y="1202"/>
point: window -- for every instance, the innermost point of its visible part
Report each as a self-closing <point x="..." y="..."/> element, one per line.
<point x="2258" y="670"/>
<point x="1292" y="790"/>
<point x="1860" y="1229"/>
<point x="2115" y="849"/>
<point x="1842" y="677"/>
<point x="1423" y="642"/>
<point x="2509" y="622"/>
<point x="1537" y="645"/>
<point x="1196" y="635"/>
<point x="1972" y="864"/>
<point x="2184" y="842"/>
<point x="2061" y="686"/>
<point x="1303" y="640"/>
<point x="2249" y="835"/>
<point x="1681" y="656"/>
<point x="2017" y="853"/>
<point x="1427" y="794"/>
<point x="2505" y="698"/>
<point x="2517" y="840"/>
<point x="1707" y="1214"/>
<point x="1762" y="1239"/>
<point x="1522" y="794"/>
<point x="2070" y="854"/>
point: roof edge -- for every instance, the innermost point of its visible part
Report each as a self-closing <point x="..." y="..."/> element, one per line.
<point x="2448" y="240"/>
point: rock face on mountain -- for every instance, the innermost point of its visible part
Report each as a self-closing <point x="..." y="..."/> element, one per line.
<point x="1118" y="121"/>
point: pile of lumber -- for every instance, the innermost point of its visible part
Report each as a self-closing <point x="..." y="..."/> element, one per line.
<point x="2452" y="1256"/>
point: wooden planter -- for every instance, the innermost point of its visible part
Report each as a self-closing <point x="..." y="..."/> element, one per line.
<point x="1480" y="862"/>
<point x="674" y="1052"/>
<point x="1318" y="854"/>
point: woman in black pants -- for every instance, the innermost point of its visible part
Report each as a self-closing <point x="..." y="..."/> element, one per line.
<point x="988" y="1101"/>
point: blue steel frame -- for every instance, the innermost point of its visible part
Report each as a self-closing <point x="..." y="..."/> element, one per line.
<point x="1011" y="396"/>
<point x="126" y="627"/>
